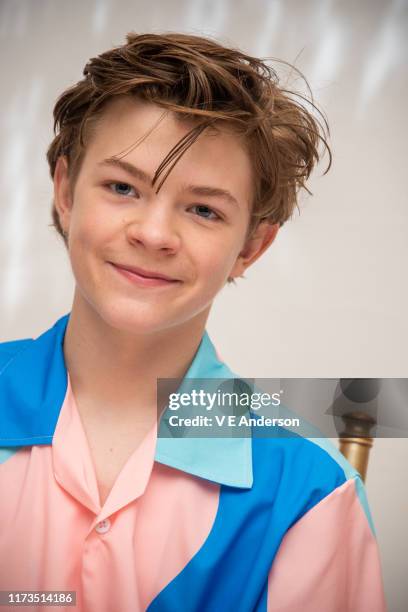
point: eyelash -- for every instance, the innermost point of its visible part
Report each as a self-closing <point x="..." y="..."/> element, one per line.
<point x="112" y="185"/>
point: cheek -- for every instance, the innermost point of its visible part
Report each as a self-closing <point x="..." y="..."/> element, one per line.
<point x="216" y="259"/>
<point x="87" y="235"/>
<point x="89" y="227"/>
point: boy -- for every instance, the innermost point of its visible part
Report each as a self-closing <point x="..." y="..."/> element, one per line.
<point x="175" y="162"/>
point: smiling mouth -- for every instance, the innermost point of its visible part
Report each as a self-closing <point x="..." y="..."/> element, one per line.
<point x="144" y="281"/>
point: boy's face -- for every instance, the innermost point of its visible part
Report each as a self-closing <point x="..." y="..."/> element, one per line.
<point x="115" y="218"/>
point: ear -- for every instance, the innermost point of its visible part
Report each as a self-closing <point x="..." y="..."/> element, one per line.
<point x="62" y="192"/>
<point x="254" y="247"/>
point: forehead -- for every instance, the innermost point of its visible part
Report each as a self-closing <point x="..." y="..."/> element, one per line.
<point x="143" y="133"/>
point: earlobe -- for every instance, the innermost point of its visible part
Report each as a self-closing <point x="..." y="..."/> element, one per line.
<point x="62" y="192"/>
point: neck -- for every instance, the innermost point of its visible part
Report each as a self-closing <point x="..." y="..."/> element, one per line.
<point x="112" y="368"/>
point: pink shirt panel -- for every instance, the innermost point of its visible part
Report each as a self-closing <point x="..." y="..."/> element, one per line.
<point x="116" y="557"/>
<point x="328" y="560"/>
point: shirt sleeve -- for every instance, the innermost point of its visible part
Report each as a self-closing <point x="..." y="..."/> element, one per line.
<point x="329" y="560"/>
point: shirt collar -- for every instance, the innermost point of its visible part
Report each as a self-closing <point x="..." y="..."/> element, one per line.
<point x="33" y="385"/>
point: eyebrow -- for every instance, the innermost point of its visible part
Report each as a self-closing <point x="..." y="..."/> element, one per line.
<point x="200" y="190"/>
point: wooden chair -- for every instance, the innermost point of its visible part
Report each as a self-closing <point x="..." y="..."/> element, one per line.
<point x="355" y="441"/>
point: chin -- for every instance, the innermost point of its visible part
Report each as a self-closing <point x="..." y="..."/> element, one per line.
<point x="134" y="319"/>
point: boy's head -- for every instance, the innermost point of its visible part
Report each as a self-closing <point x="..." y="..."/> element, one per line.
<point x="188" y="112"/>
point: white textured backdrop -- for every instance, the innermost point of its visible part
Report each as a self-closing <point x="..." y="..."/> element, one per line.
<point x="330" y="297"/>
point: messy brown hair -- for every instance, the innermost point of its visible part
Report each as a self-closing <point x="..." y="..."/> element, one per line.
<point x="207" y="83"/>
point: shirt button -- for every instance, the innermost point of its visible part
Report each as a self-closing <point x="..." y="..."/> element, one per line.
<point x="103" y="526"/>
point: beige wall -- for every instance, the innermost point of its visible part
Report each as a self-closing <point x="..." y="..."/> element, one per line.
<point x="330" y="297"/>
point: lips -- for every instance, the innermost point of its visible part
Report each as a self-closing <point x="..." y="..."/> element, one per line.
<point x="145" y="273"/>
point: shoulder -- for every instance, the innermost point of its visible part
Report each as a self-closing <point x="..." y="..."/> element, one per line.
<point x="299" y="473"/>
<point x="297" y="459"/>
<point x="303" y="463"/>
<point x="8" y="350"/>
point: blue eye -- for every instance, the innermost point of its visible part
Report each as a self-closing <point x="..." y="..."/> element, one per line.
<point x="123" y="189"/>
<point x="207" y="209"/>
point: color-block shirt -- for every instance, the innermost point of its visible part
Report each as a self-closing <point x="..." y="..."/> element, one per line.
<point x="206" y="524"/>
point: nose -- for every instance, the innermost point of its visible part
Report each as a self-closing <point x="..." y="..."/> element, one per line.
<point x="154" y="228"/>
